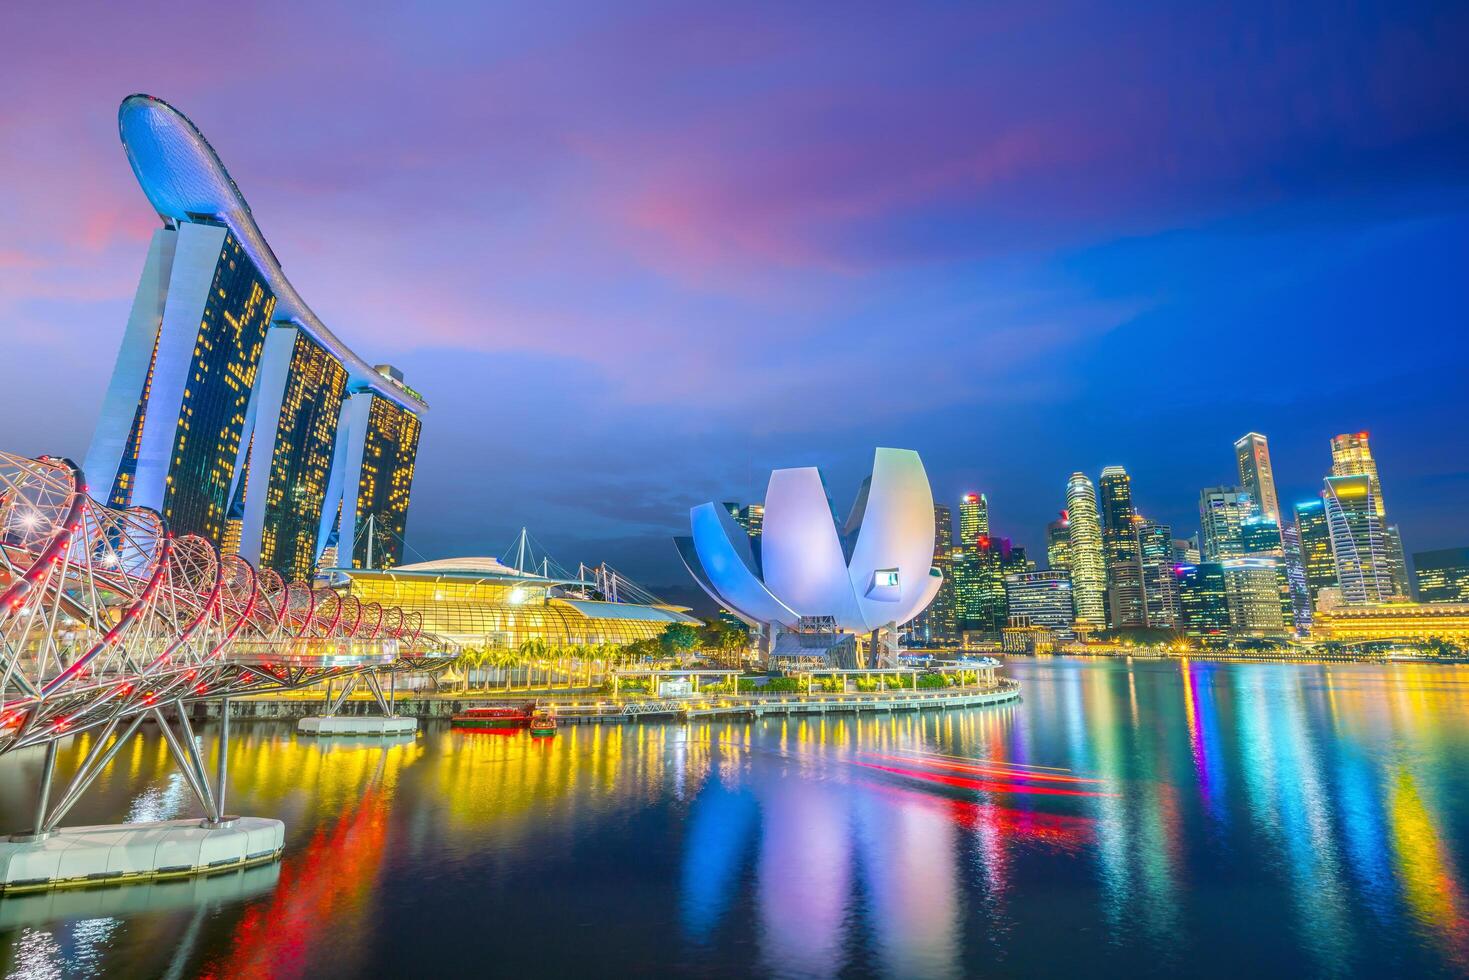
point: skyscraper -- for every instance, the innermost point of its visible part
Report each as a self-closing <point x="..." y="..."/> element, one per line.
<point x="938" y="624"/>
<point x="1301" y="606"/>
<point x="1203" y="599"/>
<point x="974" y="518"/>
<point x="1252" y="453"/>
<point x="232" y="410"/>
<point x="1317" y="559"/>
<point x="1125" y="608"/>
<point x="1357" y="542"/>
<point x="1043" y="598"/>
<point x="1252" y="596"/>
<point x="1221" y="511"/>
<point x="1443" y="575"/>
<point x="1351" y="455"/>
<point x="1058" y="544"/>
<point x="1088" y="567"/>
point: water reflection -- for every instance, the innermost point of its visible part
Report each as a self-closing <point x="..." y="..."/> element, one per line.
<point x="1154" y="813"/>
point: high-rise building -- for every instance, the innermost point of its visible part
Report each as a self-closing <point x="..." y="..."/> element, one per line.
<point x="1058" y="544"/>
<point x="1443" y="575"/>
<point x="974" y="518"/>
<point x="1260" y="537"/>
<point x="1351" y="455"/>
<point x="1125" y="606"/>
<point x="1295" y="574"/>
<point x="1044" y="598"/>
<point x="938" y="624"/>
<point x="1358" y="545"/>
<point x="232" y="410"/>
<point x="1252" y="453"/>
<point x="1203" y="599"/>
<point x="992" y="559"/>
<point x="1317" y="559"/>
<point x="1155" y="542"/>
<point x="1160" y="595"/>
<point x="1186" y="551"/>
<point x="750" y="517"/>
<point x="1088" y="567"/>
<point x="1221" y="511"/>
<point x="1252" y="596"/>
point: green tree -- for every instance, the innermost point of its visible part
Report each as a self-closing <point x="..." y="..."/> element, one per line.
<point x="680" y="638"/>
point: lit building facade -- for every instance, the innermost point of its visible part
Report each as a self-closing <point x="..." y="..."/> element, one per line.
<point x="1358" y="545"/>
<point x="1058" y="544"/>
<point x="1125" y="606"/>
<point x="1317" y="560"/>
<point x="1203" y="599"/>
<point x="480" y="603"/>
<point x="1443" y="575"/>
<point x="1256" y="477"/>
<point x="1088" y="567"/>
<point x="938" y="625"/>
<point x="1160" y="594"/>
<point x="1351" y="455"/>
<point x="1221" y="512"/>
<point x="974" y="518"/>
<point x="1252" y="596"/>
<point x="1042" y="599"/>
<point x="1406" y="622"/>
<point x="228" y="407"/>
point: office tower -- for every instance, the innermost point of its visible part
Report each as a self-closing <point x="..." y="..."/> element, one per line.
<point x="1256" y="478"/>
<point x="231" y="409"/>
<point x="1221" y="511"/>
<point x="1252" y="596"/>
<point x="1203" y="599"/>
<point x="750" y="517"/>
<point x="1044" y="598"/>
<point x="1351" y="455"/>
<point x="1186" y="551"/>
<point x="1125" y="609"/>
<point x="1260" y="537"/>
<point x="1160" y="596"/>
<point x="1154" y="542"/>
<point x="1443" y="575"/>
<point x="1115" y="498"/>
<point x="938" y="624"/>
<point x="993" y="559"/>
<point x="974" y="518"/>
<point x="1295" y="575"/>
<point x="1358" y="545"/>
<point x="1088" y="567"/>
<point x="1317" y="559"/>
<point x="1058" y="544"/>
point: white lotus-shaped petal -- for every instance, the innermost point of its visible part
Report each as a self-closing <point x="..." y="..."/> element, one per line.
<point x="880" y="572"/>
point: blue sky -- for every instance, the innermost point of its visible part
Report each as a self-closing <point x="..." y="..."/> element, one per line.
<point x="636" y="255"/>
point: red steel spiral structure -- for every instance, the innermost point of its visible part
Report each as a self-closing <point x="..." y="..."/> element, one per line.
<point x="105" y="616"/>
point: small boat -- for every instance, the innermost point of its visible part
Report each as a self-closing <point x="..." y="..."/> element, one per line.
<point x="487" y="717"/>
<point x="542" y="722"/>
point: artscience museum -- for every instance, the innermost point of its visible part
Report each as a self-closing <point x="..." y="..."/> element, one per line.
<point x="812" y="585"/>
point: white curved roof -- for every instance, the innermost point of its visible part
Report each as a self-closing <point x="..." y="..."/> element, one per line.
<point x="464" y="566"/>
<point x="185" y="180"/>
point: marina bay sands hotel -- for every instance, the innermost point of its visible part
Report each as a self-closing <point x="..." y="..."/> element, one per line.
<point x="233" y="410"/>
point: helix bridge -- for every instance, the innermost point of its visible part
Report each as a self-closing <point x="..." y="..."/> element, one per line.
<point x="107" y="619"/>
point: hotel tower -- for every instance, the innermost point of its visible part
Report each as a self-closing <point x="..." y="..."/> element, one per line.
<point x="232" y="410"/>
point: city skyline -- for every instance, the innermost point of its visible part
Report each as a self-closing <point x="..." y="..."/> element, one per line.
<point x="629" y="256"/>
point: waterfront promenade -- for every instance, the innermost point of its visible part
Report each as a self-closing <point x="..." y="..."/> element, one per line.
<point x="582" y="706"/>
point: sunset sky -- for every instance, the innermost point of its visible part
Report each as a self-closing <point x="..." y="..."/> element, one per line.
<point x="636" y="255"/>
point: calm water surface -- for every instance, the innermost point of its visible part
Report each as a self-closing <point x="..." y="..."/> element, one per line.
<point x="1124" y="819"/>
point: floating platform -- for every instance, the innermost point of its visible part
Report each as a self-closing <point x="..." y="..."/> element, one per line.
<point x="121" y="853"/>
<point x="356" y="725"/>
